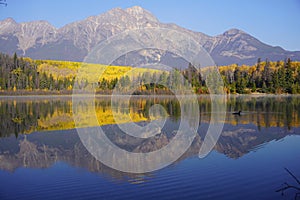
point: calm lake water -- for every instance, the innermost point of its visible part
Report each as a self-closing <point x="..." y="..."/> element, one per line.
<point x="42" y="157"/>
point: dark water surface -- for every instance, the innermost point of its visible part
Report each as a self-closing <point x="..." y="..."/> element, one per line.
<point x="42" y="157"/>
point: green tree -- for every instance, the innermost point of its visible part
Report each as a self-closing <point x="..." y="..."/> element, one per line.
<point x="253" y="89"/>
<point x="289" y="78"/>
<point x="163" y="80"/>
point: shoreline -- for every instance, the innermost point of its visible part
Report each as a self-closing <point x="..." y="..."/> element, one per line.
<point x="69" y="94"/>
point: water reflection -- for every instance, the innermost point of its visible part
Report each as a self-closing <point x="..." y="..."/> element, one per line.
<point x="45" y="129"/>
<point x="26" y="115"/>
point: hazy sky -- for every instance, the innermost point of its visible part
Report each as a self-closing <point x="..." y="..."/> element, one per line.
<point x="275" y="22"/>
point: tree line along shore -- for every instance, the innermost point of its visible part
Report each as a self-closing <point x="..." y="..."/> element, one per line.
<point x="24" y="76"/>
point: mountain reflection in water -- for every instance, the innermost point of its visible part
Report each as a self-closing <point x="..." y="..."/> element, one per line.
<point x="45" y="129"/>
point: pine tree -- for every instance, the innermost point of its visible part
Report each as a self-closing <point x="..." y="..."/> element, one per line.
<point x="289" y="79"/>
<point x="253" y="87"/>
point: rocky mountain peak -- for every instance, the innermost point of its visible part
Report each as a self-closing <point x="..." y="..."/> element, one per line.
<point x="8" y="21"/>
<point x="40" y="40"/>
<point x="38" y="23"/>
<point x="114" y="10"/>
<point x="135" y="10"/>
<point x="140" y="13"/>
<point x="233" y="32"/>
<point x="33" y="33"/>
<point x="8" y="25"/>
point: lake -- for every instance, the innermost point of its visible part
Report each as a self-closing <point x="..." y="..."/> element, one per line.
<point x="43" y="157"/>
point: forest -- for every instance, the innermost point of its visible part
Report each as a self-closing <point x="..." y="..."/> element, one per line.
<point x="24" y="74"/>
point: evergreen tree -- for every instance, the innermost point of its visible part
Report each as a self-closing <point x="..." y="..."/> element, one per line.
<point x="289" y="79"/>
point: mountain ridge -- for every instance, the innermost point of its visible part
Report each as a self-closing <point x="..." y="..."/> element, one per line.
<point x="41" y="40"/>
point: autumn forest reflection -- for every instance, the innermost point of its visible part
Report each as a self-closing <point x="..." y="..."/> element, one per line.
<point x="24" y="116"/>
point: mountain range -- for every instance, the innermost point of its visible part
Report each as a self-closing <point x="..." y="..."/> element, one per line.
<point x="41" y="40"/>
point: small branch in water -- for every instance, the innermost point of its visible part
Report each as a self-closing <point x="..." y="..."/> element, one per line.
<point x="288" y="186"/>
<point x="297" y="180"/>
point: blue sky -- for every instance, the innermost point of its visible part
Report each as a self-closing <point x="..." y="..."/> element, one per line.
<point x="275" y="22"/>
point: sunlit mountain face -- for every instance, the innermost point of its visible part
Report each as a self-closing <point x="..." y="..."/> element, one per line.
<point x="41" y="40"/>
